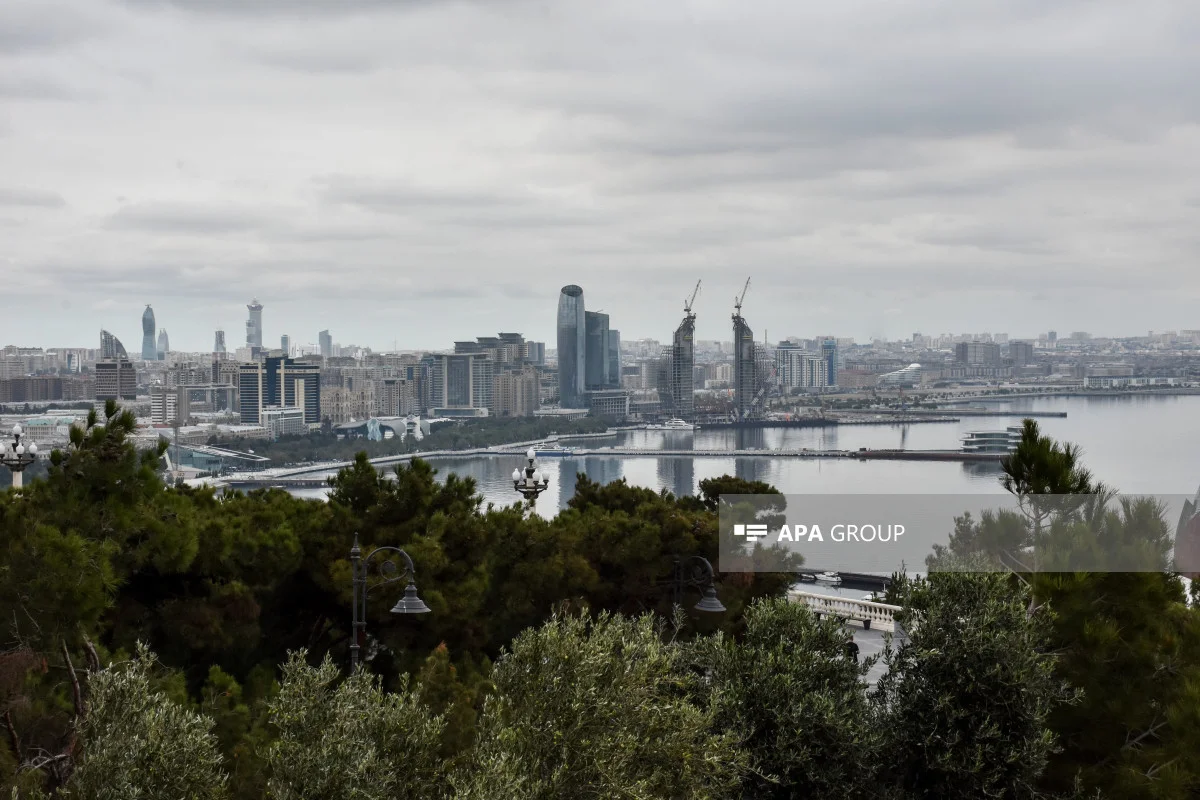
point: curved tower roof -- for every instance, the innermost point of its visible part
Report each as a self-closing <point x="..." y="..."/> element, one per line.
<point x="111" y="347"/>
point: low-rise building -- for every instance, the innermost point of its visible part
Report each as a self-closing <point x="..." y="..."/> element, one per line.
<point x="283" y="422"/>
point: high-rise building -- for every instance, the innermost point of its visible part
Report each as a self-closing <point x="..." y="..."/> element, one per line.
<point x="461" y="381"/>
<point x="749" y="387"/>
<point x="116" y="379"/>
<point x="796" y="368"/>
<point x="111" y="347"/>
<point x="254" y="324"/>
<point x="169" y="404"/>
<point x="829" y="352"/>
<point x="677" y="388"/>
<point x="225" y="372"/>
<point x="285" y="344"/>
<point x="535" y="353"/>
<point x="326" y="344"/>
<point x="515" y="393"/>
<point x="280" y="382"/>
<point x="595" y="357"/>
<point x="572" y="347"/>
<point x="149" y="353"/>
<point x="395" y="397"/>
<point x="978" y="353"/>
<point x="614" y="359"/>
<point x="219" y="344"/>
<point x="1021" y="353"/>
<point x="164" y="345"/>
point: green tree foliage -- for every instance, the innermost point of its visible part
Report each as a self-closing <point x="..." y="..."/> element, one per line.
<point x="140" y="744"/>
<point x="459" y="435"/>
<point x="348" y="738"/>
<point x="796" y="698"/>
<point x="441" y="689"/>
<point x="966" y="700"/>
<point x="1130" y="642"/>
<point x="588" y="708"/>
<point x="1126" y="639"/>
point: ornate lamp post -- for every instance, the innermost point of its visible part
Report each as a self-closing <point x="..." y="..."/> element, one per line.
<point x="408" y="604"/>
<point x="16" y="456"/>
<point x="533" y="482"/>
<point x="696" y="571"/>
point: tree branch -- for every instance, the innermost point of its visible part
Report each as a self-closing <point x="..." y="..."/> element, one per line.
<point x="92" y="659"/>
<point x="13" y="739"/>
<point x="76" y="691"/>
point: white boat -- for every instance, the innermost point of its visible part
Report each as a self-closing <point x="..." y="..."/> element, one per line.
<point x="552" y="450"/>
<point x="671" y="425"/>
<point x="829" y="577"/>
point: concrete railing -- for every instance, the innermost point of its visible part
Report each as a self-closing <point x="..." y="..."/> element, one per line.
<point x="880" y="616"/>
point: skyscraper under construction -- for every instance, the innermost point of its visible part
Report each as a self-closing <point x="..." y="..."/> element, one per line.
<point x="749" y="367"/>
<point x="676" y="390"/>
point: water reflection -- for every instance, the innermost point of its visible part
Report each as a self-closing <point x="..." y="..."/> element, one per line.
<point x="1137" y="445"/>
<point x="677" y="475"/>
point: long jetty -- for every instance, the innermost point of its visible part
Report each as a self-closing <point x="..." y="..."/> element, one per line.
<point x="304" y="477"/>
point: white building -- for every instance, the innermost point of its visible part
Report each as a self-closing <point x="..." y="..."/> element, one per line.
<point x="287" y="421"/>
<point x="799" y="369"/>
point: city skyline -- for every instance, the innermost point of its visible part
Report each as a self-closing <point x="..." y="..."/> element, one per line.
<point x="656" y="330"/>
<point x="900" y="183"/>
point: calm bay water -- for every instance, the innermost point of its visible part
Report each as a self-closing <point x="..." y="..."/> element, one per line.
<point x="1144" y="445"/>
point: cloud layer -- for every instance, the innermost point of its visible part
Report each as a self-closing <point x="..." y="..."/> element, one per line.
<point x="419" y="172"/>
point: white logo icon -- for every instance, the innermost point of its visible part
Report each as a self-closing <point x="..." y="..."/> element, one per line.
<point x="751" y="532"/>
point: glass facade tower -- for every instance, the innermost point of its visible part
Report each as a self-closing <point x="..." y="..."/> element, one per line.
<point x="149" y="353"/>
<point x="572" y="347"/>
<point x="596" y="358"/>
<point x="254" y="326"/>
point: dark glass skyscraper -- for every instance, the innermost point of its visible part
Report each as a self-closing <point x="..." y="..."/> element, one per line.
<point x="149" y="353"/>
<point x="572" y="347"/>
<point x="164" y="345"/>
<point x="596" y="354"/>
<point x="829" y="352"/>
<point x="614" y="359"/>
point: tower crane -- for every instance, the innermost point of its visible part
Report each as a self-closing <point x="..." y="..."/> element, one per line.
<point x="737" y="301"/>
<point x="687" y="304"/>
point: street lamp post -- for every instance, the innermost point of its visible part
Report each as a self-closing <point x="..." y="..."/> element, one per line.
<point x="696" y="571"/>
<point x="17" y="456"/>
<point x="532" y="483"/>
<point x="410" y="603"/>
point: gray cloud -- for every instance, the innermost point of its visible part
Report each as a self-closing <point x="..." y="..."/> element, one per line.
<point x="186" y="219"/>
<point x="17" y="196"/>
<point x="282" y="8"/>
<point x="855" y="159"/>
<point x="30" y="26"/>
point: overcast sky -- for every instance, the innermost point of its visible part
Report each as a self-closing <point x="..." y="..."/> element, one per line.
<point x="419" y="172"/>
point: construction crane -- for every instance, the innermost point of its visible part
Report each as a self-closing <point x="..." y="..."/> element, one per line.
<point x="737" y="301"/>
<point x="687" y="304"/>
